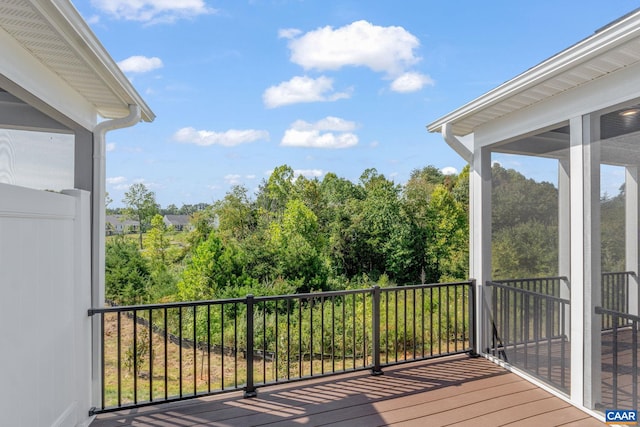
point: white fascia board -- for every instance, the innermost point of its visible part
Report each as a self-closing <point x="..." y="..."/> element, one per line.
<point x="70" y="25"/>
<point x="597" y="44"/>
<point x="613" y="89"/>
<point x="30" y="74"/>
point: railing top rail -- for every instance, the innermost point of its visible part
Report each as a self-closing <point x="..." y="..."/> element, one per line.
<point x="140" y="307"/>
<point x="614" y="273"/>
<point x="313" y="295"/>
<point x="528" y="292"/>
<point x="531" y="279"/>
<point x="426" y="286"/>
<point x="601" y="310"/>
<point x="306" y="296"/>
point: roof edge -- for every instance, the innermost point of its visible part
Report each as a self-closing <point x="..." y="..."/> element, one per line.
<point x="615" y="33"/>
<point x="63" y="15"/>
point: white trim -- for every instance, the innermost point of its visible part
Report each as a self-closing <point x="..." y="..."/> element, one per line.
<point x="27" y="72"/>
<point x="631" y="233"/>
<point x="577" y="262"/>
<point x="70" y="25"/>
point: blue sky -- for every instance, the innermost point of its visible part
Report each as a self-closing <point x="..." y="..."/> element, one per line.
<point x="242" y="86"/>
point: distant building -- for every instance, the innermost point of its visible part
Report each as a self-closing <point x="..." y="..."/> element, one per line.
<point x="179" y="222"/>
<point x="120" y="224"/>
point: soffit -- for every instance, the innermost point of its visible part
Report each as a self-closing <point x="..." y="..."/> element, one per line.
<point x="610" y="49"/>
<point x="54" y="33"/>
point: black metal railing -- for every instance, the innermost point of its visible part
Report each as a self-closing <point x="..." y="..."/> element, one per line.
<point x="530" y="324"/>
<point x="620" y="360"/>
<point x="167" y="352"/>
<point x="542" y="285"/>
<point x="615" y="296"/>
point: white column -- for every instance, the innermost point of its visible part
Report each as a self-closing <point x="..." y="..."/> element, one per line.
<point x="585" y="262"/>
<point x="564" y="234"/>
<point x="480" y="238"/>
<point x="631" y="233"/>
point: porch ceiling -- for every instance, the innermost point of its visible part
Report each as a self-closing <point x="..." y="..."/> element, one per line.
<point x="54" y="32"/>
<point x="610" y="49"/>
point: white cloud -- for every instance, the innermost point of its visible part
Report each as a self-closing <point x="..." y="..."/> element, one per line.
<point x="153" y="11"/>
<point x="93" y="19"/>
<point x="230" y="138"/>
<point x="411" y="82"/>
<point x="233" y="179"/>
<point x="140" y="64"/>
<point x="302" y="89"/>
<point x="149" y="185"/>
<point x="329" y="123"/>
<point x="118" y="183"/>
<point x="288" y="33"/>
<point x="250" y="177"/>
<point x="449" y="170"/>
<point x="116" y="180"/>
<point x="309" y="173"/>
<point x="382" y="49"/>
<point x="321" y="134"/>
<point x="111" y="146"/>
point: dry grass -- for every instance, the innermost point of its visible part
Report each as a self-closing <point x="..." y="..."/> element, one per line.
<point x="201" y="371"/>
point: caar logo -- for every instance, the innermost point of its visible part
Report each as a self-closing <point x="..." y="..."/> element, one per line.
<point x="621" y="416"/>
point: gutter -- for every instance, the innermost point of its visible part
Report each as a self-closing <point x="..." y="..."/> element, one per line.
<point x="98" y="193"/>
<point x="455" y="143"/>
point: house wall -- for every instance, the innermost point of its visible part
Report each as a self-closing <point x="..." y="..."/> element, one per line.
<point x="45" y="331"/>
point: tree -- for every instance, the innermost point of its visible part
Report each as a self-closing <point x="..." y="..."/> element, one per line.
<point x="158" y="241"/>
<point x="213" y="267"/>
<point x="298" y="245"/>
<point x="278" y="189"/>
<point x="127" y="274"/>
<point x="447" y="236"/>
<point x="140" y="205"/>
<point x="236" y="214"/>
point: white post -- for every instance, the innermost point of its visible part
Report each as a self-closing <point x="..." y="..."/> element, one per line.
<point x="585" y="262"/>
<point x="631" y="232"/>
<point x="480" y="239"/>
<point x="564" y="234"/>
<point x="84" y="385"/>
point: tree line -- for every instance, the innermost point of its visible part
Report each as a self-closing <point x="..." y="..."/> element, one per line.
<point x="297" y="234"/>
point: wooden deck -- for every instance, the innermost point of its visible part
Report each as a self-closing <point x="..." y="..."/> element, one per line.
<point x="455" y="390"/>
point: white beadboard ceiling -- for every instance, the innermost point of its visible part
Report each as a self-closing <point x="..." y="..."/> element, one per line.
<point x="54" y="33"/>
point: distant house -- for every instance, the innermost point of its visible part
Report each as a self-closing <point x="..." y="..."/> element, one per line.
<point x="179" y="222"/>
<point x="120" y="224"/>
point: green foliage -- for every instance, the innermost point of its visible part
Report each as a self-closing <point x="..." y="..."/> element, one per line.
<point x="310" y="235"/>
<point x="447" y="235"/>
<point x="528" y="249"/>
<point x="127" y="273"/>
<point x="140" y="205"/>
<point x="212" y="267"/>
<point x="298" y="246"/>
<point x="525" y="226"/>
<point x="613" y="232"/>
<point x="157" y="240"/>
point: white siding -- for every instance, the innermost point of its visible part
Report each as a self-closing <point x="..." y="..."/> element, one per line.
<point x="44" y="296"/>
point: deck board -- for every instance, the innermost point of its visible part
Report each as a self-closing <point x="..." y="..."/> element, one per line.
<point x="455" y="390"/>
